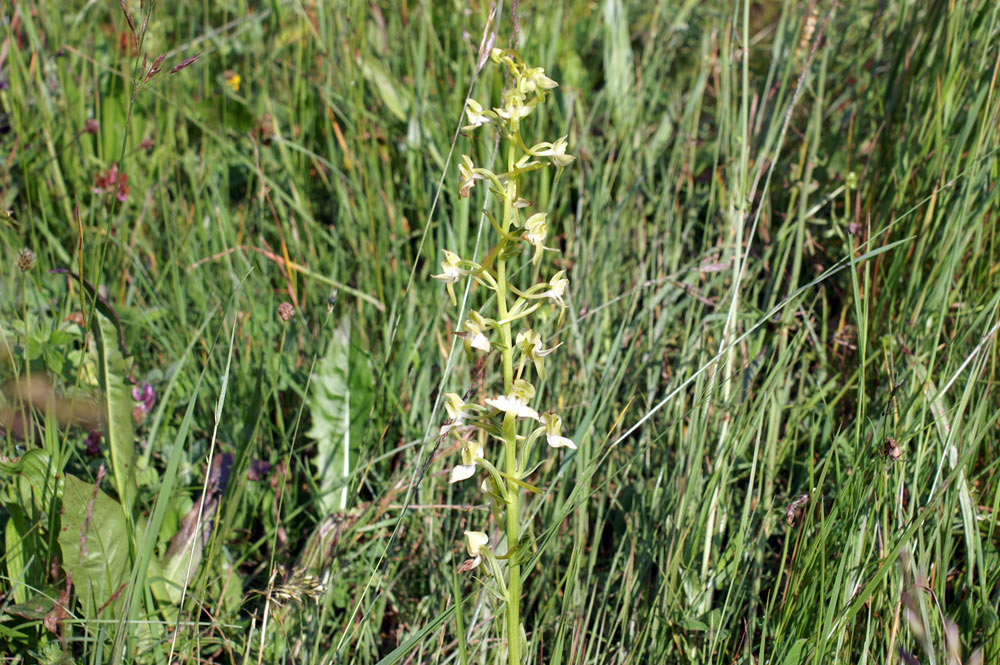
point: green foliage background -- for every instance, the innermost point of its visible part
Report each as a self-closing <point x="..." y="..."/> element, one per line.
<point x="779" y="358"/>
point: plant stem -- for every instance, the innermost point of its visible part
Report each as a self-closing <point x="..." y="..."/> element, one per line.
<point x="510" y="434"/>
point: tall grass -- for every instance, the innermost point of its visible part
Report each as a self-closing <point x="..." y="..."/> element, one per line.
<point x="779" y="356"/>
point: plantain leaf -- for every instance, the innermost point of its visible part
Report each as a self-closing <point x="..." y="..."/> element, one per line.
<point x="95" y="547"/>
<point x="116" y="406"/>
<point x="16" y="534"/>
<point x="37" y="481"/>
<point x="340" y="400"/>
<point x="34" y="490"/>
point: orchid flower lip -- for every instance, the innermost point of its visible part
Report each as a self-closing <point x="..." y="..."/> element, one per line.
<point x="461" y="472"/>
<point x="553" y="431"/>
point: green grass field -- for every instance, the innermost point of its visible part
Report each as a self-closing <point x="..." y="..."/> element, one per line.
<point x="779" y="353"/>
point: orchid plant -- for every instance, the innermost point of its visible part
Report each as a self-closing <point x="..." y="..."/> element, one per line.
<point x="509" y="417"/>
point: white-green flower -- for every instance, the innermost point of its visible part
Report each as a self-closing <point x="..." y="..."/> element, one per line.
<point x="450" y="270"/>
<point x="514" y="106"/>
<point x="559" y="156"/>
<point x="536" y="230"/>
<point x="531" y="345"/>
<point x="475" y="543"/>
<point x="535" y="79"/>
<point x="456" y="407"/>
<point x="517" y="401"/>
<point x="477" y="116"/>
<point x="475" y="331"/>
<point x="553" y="431"/>
<point x="557" y="288"/>
<point x="471" y="451"/>
<point x="458" y="411"/>
<point x="467" y="176"/>
<point x="556" y="152"/>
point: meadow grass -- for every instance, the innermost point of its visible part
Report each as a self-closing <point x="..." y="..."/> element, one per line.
<point x="778" y="355"/>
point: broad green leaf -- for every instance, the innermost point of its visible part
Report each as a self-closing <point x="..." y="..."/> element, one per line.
<point x="35" y="606"/>
<point x="340" y="400"/>
<point x="116" y="405"/>
<point x="225" y="112"/>
<point x="180" y="565"/>
<point x="15" y="540"/>
<point x="797" y="652"/>
<point x="95" y="546"/>
<point x="37" y="483"/>
<point x="28" y="500"/>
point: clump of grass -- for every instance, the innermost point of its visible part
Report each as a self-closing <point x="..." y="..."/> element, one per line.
<point x="781" y="232"/>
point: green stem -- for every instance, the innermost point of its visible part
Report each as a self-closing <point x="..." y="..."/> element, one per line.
<point x="510" y="435"/>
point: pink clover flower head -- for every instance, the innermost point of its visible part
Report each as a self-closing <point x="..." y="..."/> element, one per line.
<point x="146" y="397"/>
<point x="111" y="181"/>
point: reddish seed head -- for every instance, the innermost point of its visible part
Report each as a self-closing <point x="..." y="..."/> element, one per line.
<point x="187" y="62"/>
<point x="91" y="126"/>
<point x="286" y="311"/>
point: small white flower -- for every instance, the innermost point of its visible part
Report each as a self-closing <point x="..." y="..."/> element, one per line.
<point x="522" y="203"/>
<point x="456" y="407"/>
<point x="517" y="401"/>
<point x="531" y="343"/>
<point x="467" y="177"/>
<point x="509" y="404"/>
<point x="559" y="156"/>
<point x="458" y="410"/>
<point x="553" y="431"/>
<point x="450" y="271"/>
<point x="556" y="152"/>
<point x="535" y="79"/>
<point x="477" y="117"/>
<point x="471" y="451"/>
<point x="557" y="288"/>
<point x="475" y="543"/>
<point x="537" y="229"/>
<point x="514" y="106"/>
<point x="475" y="331"/>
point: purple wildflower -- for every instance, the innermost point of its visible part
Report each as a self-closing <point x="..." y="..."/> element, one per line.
<point x="93" y="443"/>
<point x="146" y="397"/>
